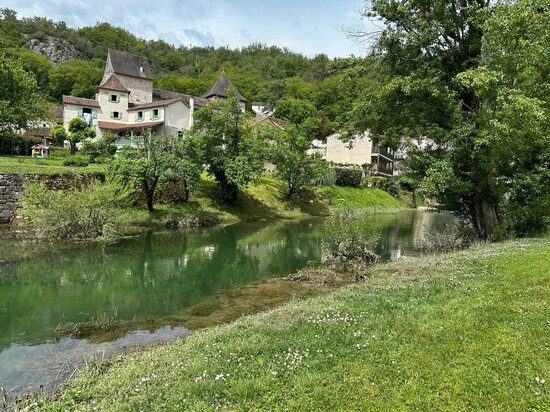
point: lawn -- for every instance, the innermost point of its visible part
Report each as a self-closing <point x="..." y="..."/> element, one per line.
<point x="51" y="165"/>
<point x="466" y="331"/>
<point x="358" y="197"/>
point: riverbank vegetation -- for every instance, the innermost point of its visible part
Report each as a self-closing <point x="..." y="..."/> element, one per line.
<point x="412" y="333"/>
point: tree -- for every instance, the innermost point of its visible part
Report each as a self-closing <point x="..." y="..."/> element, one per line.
<point x="293" y="164"/>
<point x="153" y="163"/>
<point x="78" y="132"/>
<point x="232" y="154"/>
<point x="20" y="101"/>
<point x="423" y="49"/>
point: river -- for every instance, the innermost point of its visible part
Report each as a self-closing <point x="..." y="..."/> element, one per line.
<point x="44" y="284"/>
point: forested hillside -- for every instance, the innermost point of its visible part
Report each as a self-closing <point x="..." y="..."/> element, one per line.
<point x="70" y="61"/>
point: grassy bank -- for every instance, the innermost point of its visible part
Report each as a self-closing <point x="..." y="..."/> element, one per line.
<point x="466" y="331"/>
<point x="51" y="165"/>
<point x="265" y="200"/>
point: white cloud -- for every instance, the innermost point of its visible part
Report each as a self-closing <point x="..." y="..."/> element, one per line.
<point x="305" y="26"/>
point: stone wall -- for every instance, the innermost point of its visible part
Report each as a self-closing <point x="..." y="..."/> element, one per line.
<point x="12" y="186"/>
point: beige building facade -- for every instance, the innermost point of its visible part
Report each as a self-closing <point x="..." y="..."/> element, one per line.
<point x="126" y="103"/>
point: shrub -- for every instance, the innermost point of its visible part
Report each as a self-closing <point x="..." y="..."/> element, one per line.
<point x="407" y="183"/>
<point x="76" y="160"/>
<point x="451" y="238"/>
<point x="348" y="238"/>
<point x="76" y="213"/>
<point x="348" y="177"/>
<point x="392" y="187"/>
<point x="201" y="219"/>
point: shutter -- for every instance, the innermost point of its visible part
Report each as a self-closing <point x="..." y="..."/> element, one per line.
<point x="94" y="113"/>
<point x="79" y="112"/>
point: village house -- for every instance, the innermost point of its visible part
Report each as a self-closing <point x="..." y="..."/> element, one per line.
<point x="126" y="101"/>
<point x="363" y="150"/>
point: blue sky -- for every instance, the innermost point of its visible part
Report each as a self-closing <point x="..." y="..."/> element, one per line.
<point x="305" y="26"/>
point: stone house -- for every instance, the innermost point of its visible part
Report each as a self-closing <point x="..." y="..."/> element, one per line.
<point x="127" y="103"/>
<point x="363" y="150"/>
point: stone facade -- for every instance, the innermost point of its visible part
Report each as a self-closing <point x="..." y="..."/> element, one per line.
<point x="12" y="186"/>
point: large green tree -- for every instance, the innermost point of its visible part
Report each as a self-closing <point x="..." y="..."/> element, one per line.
<point x="153" y="162"/>
<point x="432" y="54"/>
<point x="232" y="154"/>
<point x="20" y="100"/>
<point x="288" y="151"/>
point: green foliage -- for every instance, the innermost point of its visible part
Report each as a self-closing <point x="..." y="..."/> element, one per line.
<point x="348" y="176"/>
<point x="78" y="132"/>
<point x="288" y="151"/>
<point x="469" y="108"/>
<point x="20" y="100"/>
<point x="76" y="78"/>
<point x="82" y="213"/>
<point x="232" y="153"/>
<point x="76" y="160"/>
<point x="153" y="163"/>
<point x="453" y="237"/>
<point x="101" y="148"/>
<point x="15" y="144"/>
<point x="349" y="238"/>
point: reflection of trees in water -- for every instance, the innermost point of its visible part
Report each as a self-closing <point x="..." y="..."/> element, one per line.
<point x="155" y="275"/>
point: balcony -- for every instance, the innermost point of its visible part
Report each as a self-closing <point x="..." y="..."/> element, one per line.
<point x="377" y="151"/>
<point x="386" y="171"/>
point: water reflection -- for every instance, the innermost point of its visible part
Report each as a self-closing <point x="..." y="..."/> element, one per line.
<point x="47" y="284"/>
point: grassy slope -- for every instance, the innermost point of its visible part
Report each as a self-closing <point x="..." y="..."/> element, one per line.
<point x="459" y="332"/>
<point x="266" y="201"/>
<point x="52" y="165"/>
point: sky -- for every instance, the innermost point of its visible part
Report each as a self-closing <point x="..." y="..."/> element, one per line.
<point x="305" y="26"/>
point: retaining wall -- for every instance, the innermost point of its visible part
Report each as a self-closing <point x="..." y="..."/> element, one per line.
<point x="12" y="186"/>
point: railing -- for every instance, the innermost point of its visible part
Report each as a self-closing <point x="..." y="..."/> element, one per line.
<point x="383" y="152"/>
<point x="384" y="170"/>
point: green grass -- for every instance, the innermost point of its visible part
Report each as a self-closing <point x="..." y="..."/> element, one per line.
<point x="265" y="200"/>
<point x="360" y="197"/>
<point x="467" y="331"/>
<point x="51" y="165"/>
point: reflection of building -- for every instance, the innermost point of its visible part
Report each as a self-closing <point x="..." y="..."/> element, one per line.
<point x="126" y="102"/>
<point x="362" y="150"/>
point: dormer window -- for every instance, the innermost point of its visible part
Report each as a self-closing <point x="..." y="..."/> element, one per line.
<point x="113" y="98"/>
<point x="116" y="115"/>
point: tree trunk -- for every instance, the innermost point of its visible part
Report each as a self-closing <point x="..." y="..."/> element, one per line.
<point x="149" y="190"/>
<point x="484" y="217"/>
<point x="228" y="190"/>
<point x="72" y="147"/>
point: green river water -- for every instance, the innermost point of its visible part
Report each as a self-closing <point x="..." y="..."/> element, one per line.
<point x="45" y="284"/>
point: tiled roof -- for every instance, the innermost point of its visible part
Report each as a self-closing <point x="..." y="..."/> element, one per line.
<point x="80" y="101"/>
<point x="112" y="83"/>
<point x="158" y="103"/>
<point x="282" y="124"/>
<point x="219" y="89"/>
<point x="130" y="64"/>
<point x="126" y="126"/>
<point x="159" y="94"/>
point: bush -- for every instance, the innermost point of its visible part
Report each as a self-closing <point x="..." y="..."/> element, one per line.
<point x="201" y="219"/>
<point x="76" y="160"/>
<point x="348" y="177"/>
<point x="348" y="238"/>
<point x="451" y="238"/>
<point x="407" y="183"/>
<point x="76" y="213"/>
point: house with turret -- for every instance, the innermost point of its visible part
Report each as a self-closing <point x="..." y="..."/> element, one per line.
<point x="126" y="102"/>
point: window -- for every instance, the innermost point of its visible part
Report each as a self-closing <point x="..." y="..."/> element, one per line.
<point x="86" y="110"/>
<point x="180" y="134"/>
<point x="155" y="114"/>
<point x="113" y="98"/>
<point x="116" y="115"/>
<point x="139" y="115"/>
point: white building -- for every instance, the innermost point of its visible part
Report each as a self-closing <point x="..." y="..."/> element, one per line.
<point x="362" y="151"/>
<point x="126" y="102"/>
